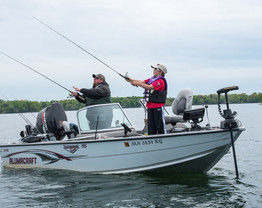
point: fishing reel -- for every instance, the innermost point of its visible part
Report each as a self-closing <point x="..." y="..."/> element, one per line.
<point x="70" y="95"/>
<point x="227" y="114"/>
<point x="126" y="76"/>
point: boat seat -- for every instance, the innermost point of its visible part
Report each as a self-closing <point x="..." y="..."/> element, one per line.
<point x="179" y="127"/>
<point x="182" y="102"/>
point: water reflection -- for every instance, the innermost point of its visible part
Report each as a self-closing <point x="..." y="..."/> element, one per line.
<point x="189" y="180"/>
<point x="56" y="188"/>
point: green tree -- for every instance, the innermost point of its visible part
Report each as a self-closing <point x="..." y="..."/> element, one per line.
<point x="21" y="106"/>
<point x="260" y="97"/>
<point x="253" y="98"/>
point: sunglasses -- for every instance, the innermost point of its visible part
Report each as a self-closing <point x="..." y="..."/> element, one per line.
<point x="157" y="69"/>
<point x="96" y="78"/>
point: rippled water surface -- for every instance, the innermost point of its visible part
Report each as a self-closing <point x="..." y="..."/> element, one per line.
<point x="217" y="188"/>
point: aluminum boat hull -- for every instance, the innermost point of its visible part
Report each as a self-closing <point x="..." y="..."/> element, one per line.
<point x="185" y="152"/>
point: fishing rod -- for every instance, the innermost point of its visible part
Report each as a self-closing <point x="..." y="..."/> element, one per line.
<point x="29" y="109"/>
<point x="26" y="119"/>
<point x="35" y="71"/>
<point x="22" y="115"/>
<point x="125" y="77"/>
<point x="70" y="92"/>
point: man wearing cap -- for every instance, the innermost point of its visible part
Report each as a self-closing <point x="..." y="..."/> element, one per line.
<point x="155" y="97"/>
<point x="98" y="94"/>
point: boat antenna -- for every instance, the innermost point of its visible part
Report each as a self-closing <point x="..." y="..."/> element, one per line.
<point x="35" y="71"/>
<point x="125" y="77"/>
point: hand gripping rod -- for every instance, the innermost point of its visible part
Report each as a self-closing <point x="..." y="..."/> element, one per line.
<point x="125" y="77"/>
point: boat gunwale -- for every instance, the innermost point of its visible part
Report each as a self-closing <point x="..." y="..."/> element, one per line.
<point x="81" y="140"/>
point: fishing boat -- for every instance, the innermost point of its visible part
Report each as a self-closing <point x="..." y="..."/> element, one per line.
<point x="105" y="141"/>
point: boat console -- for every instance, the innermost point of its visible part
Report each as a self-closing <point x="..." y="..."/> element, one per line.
<point x="105" y="119"/>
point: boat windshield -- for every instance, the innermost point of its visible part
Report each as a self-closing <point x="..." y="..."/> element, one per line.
<point x="108" y="116"/>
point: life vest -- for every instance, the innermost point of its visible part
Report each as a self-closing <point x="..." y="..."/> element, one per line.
<point x="153" y="95"/>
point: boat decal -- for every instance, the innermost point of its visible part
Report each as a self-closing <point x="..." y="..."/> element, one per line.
<point x="45" y="155"/>
<point x="127" y="144"/>
<point x="23" y="160"/>
<point x="71" y="148"/>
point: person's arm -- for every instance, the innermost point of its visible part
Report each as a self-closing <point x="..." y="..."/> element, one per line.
<point x="80" y="98"/>
<point x="141" y="83"/>
<point x="77" y="96"/>
<point x="100" y="91"/>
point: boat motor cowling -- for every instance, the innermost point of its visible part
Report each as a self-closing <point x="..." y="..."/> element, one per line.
<point x="49" y="120"/>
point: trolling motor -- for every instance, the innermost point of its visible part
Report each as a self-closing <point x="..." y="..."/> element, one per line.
<point x="227" y="114"/>
<point x="229" y="122"/>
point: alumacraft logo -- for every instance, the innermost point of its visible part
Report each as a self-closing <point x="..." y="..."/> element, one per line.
<point x="71" y="148"/>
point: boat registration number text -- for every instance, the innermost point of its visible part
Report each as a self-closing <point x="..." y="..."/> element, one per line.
<point x="147" y="142"/>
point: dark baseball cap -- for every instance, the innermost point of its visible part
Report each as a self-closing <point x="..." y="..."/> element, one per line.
<point x="99" y="76"/>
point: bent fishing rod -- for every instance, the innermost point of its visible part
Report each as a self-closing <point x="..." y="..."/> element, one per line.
<point x="125" y="77"/>
<point x="22" y="115"/>
<point x="70" y="92"/>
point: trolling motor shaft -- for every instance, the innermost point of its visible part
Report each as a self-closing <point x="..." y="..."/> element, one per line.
<point x="229" y="122"/>
<point x="227" y="114"/>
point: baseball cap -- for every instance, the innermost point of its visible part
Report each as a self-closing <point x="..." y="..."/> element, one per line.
<point x="161" y="67"/>
<point x="99" y="76"/>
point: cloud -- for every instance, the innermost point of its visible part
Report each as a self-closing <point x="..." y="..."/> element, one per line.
<point x="203" y="43"/>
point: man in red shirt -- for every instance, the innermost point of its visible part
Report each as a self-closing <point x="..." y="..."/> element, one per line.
<point x="155" y="97"/>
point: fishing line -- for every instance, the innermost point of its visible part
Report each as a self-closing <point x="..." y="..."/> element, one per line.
<point x="125" y="77"/>
<point x="21" y="115"/>
<point x="29" y="109"/>
<point x="70" y="92"/>
<point x="35" y="71"/>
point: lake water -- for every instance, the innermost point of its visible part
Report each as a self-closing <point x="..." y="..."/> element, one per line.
<point x="217" y="188"/>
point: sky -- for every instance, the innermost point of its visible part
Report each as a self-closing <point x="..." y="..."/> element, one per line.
<point x="205" y="44"/>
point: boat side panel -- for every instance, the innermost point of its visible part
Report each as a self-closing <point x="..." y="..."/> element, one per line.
<point x="118" y="156"/>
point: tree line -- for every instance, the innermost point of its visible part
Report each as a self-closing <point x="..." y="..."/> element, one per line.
<point x="22" y="106"/>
